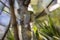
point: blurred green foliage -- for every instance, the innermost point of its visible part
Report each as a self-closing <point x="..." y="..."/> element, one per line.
<point x="47" y="26"/>
<point x="10" y="35"/>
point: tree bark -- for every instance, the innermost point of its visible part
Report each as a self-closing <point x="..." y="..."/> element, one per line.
<point x="13" y="18"/>
<point x="24" y="19"/>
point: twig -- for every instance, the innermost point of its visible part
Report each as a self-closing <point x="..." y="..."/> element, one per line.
<point x="6" y="31"/>
<point x="43" y="13"/>
<point x="4" y="4"/>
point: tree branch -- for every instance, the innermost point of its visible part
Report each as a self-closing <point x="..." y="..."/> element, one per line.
<point x="4" y="4"/>
<point x="43" y="13"/>
<point x="6" y="31"/>
<point x="13" y="18"/>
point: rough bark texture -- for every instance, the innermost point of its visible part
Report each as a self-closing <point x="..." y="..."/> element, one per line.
<point x="24" y="19"/>
<point x="13" y="18"/>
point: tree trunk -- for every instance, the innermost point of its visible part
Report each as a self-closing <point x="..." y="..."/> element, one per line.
<point x="24" y="19"/>
<point x="13" y="18"/>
